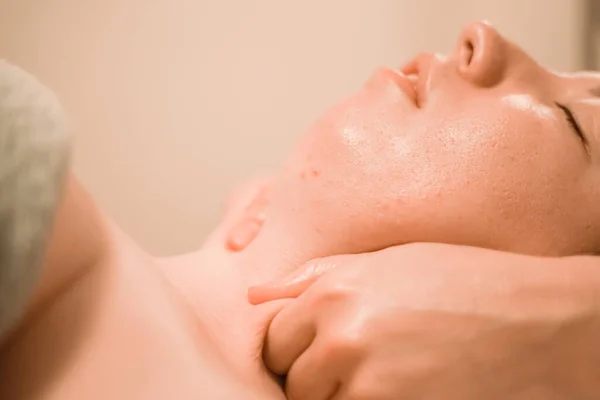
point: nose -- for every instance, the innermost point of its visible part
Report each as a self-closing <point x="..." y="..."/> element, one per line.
<point x="481" y="54"/>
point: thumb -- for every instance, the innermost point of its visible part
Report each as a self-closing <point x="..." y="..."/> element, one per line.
<point x="296" y="283"/>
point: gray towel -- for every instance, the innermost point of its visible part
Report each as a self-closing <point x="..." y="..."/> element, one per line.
<point x="34" y="152"/>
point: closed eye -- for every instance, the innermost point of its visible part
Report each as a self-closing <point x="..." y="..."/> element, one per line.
<point x="574" y="124"/>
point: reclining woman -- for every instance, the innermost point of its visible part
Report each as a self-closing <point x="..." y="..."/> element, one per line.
<point x="483" y="148"/>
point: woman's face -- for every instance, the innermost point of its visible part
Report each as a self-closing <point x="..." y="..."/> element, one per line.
<point x="479" y="148"/>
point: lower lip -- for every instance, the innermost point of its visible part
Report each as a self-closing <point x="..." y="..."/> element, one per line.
<point x="400" y="81"/>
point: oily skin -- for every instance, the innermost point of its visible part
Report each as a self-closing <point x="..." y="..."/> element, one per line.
<point x="372" y="172"/>
<point x="485" y="159"/>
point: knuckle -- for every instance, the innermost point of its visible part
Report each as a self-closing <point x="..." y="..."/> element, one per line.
<point x="347" y="344"/>
<point x="335" y="291"/>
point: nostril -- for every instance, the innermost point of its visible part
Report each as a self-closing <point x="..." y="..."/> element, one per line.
<point x="468" y="50"/>
<point x="481" y="53"/>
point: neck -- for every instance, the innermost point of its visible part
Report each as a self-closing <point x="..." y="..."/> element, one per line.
<point x="274" y="254"/>
<point x="214" y="282"/>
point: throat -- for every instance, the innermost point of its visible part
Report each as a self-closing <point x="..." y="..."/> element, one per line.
<point x="214" y="286"/>
<point x="274" y="254"/>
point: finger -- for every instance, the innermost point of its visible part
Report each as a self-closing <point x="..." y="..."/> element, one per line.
<point x="290" y="333"/>
<point x="314" y="375"/>
<point x="297" y="283"/>
<point x="263" y="294"/>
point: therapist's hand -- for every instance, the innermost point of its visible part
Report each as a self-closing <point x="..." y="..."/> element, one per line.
<point x="434" y="321"/>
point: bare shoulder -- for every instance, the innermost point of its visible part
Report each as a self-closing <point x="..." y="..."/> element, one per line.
<point x="119" y="331"/>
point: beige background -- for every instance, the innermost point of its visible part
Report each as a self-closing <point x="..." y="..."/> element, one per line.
<point x="175" y="101"/>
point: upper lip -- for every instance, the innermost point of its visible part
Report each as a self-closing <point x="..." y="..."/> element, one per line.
<point x="420" y="68"/>
<point x="407" y="85"/>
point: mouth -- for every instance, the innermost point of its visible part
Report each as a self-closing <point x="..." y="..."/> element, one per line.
<point x="420" y="71"/>
<point x="407" y="83"/>
<point x="414" y="78"/>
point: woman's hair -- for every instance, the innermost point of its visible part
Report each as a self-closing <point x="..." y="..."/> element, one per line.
<point x="34" y="150"/>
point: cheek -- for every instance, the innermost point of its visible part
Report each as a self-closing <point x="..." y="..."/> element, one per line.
<point x="379" y="154"/>
<point x="354" y="141"/>
<point x="508" y="168"/>
<point x="483" y="141"/>
<point x="372" y="175"/>
<point x="344" y="170"/>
